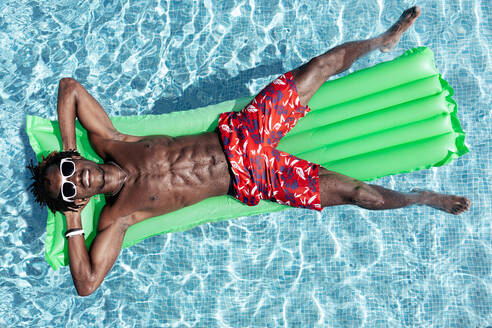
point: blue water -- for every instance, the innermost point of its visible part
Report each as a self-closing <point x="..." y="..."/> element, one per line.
<point x="344" y="267"/>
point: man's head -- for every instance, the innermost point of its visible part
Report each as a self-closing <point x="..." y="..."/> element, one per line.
<point x="63" y="177"/>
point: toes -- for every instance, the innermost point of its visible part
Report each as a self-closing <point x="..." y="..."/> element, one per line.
<point x="456" y="210"/>
<point x="411" y="13"/>
<point x="461" y="206"/>
<point x="406" y="14"/>
<point x="464" y="203"/>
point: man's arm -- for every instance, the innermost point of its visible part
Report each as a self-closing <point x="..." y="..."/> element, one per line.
<point x="75" y="102"/>
<point x="89" y="268"/>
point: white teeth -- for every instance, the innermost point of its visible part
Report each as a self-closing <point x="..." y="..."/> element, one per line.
<point x="86" y="177"/>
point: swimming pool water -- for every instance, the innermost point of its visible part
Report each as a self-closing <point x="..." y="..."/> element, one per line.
<point x="344" y="267"/>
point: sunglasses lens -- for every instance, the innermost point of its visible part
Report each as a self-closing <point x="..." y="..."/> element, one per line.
<point x="67" y="168"/>
<point x="68" y="189"/>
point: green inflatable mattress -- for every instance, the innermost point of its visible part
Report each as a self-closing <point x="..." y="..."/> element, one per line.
<point x="395" y="117"/>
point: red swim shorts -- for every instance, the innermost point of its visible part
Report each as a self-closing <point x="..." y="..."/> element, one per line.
<point x="249" y="138"/>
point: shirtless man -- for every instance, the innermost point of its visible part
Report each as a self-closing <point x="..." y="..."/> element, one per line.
<point x="143" y="177"/>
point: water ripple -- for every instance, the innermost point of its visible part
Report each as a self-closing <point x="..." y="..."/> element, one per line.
<point x="342" y="267"/>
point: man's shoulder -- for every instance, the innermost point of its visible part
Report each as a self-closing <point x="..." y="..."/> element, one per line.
<point x="111" y="215"/>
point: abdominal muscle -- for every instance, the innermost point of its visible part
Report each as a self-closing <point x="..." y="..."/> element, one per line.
<point x="165" y="174"/>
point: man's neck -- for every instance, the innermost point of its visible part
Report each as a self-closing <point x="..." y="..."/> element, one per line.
<point x="115" y="178"/>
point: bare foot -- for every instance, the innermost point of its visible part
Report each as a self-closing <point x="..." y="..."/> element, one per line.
<point x="391" y="37"/>
<point x="447" y="203"/>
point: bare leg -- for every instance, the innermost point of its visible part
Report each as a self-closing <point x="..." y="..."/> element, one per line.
<point x="338" y="189"/>
<point x="310" y="76"/>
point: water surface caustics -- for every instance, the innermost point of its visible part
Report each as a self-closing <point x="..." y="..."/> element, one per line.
<point x="345" y="267"/>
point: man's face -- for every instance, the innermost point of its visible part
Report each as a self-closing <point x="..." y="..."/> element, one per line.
<point x="88" y="179"/>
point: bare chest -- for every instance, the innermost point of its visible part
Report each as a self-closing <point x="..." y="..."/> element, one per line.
<point x="166" y="174"/>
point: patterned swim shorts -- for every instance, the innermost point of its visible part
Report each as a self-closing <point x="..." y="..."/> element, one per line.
<point x="249" y="138"/>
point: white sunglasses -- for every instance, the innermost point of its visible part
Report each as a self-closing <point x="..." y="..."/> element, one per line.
<point x="68" y="188"/>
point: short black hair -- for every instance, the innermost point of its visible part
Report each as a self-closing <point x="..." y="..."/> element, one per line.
<point x="38" y="187"/>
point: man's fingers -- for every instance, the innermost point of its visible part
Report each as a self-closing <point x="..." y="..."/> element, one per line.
<point x="82" y="201"/>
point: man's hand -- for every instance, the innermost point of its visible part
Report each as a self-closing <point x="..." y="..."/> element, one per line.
<point x="81" y="203"/>
<point x="73" y="217"/>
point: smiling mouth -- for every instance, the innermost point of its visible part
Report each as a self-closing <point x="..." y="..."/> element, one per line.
<point x="86" y="178"/>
